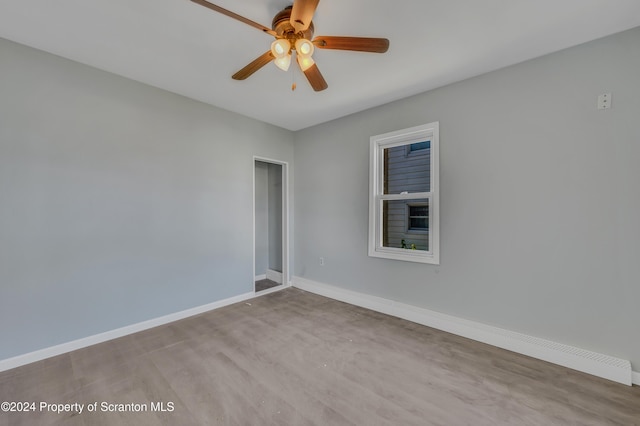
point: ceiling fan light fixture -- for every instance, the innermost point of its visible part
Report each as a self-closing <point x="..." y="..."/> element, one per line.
<point x="280" y="48"/>
<point x="304" y="47"/>
<point x="293" y="29"/>
<point x="283" y="62"/>
<point x="305" y="62"/>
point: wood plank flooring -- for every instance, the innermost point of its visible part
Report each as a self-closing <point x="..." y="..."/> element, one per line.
<point x="295" y="358"/>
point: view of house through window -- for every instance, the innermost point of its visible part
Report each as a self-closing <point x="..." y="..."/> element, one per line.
<point x="404" y="197"/>
<point x="418" y="217"/>
<point x="407" y="169"/>
<point x="405" y="224"/>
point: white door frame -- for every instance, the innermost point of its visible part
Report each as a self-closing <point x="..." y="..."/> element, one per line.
<point x="286" y="281"/>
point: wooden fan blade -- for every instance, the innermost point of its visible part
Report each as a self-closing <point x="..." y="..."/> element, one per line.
<point x="302" y="13"/>
<point x="235" y="16"/>
<point x="254" y="66"/>
<point x="315" y="78"/>
<point x="360" y="44"/>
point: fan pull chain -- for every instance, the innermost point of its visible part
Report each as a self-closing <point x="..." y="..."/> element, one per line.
<point x="293" y="80"/>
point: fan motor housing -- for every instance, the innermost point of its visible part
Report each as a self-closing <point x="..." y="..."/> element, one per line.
<point x="282" y="26"/>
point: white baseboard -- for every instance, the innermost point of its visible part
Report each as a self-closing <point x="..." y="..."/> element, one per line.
<point x="9" y="363"/>
<point x="608" y="367"/>
<point x="274" y="276"/>
<point x="260" y="277"/>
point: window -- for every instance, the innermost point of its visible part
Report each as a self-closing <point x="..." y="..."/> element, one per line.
<point x="417" y="217"/>
<point x="403" y="199"/>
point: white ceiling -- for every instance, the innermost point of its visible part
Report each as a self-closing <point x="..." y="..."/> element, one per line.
<point x="185" y="48"/>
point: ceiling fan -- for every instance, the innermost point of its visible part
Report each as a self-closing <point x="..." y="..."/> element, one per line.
<point x="293" y="30"/>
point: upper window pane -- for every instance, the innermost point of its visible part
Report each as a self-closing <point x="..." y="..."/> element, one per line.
<point x="407" y="168"/>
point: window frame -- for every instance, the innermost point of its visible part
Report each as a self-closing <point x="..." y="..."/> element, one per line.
<point x="378" y="144"/>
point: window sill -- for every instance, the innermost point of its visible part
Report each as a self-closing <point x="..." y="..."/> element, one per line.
<point x="406" y="255"/>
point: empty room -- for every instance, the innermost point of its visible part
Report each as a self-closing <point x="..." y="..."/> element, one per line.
<point x="303" y="212"/>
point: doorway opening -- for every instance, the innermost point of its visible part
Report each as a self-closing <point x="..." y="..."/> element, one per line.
<point x="270" y="225"/>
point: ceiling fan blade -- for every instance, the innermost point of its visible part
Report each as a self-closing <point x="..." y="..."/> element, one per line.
<point x="302" y="13"/>
<point x="254" y="66"/>
<point x="360" y="44"/>
<point x="235" y="16"/>
<point x="315" y="78"/>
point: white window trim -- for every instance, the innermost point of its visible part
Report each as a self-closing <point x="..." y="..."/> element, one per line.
<point x="388" y="140"/>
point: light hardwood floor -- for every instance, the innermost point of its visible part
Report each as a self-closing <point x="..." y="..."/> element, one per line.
<point x="295" y="358"/>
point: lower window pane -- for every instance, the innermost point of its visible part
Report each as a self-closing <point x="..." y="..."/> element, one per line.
<point x="405" y="224"/>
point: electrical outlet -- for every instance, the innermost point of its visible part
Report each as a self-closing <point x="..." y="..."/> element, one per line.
<point x="322" y="261"/>
<point x="604" y="101"/>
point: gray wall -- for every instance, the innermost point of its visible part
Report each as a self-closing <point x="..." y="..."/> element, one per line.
<point x="539" y="199"/>
<point x="119" y="202"/>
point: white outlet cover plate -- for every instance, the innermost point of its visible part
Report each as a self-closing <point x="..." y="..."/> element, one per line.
<point x="604" y="101"/>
